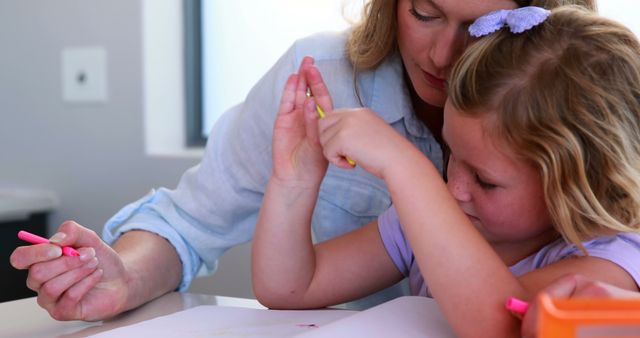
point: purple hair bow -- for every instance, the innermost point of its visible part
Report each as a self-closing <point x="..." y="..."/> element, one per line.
<point x="518" y="20"/>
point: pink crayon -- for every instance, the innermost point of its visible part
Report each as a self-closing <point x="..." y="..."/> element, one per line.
<point x="35" y="239"/>
<point x="517" y="306"/>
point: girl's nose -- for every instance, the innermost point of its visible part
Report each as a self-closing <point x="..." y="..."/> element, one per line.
<point x="458" y="181"/>
<point x="459" y="190"/>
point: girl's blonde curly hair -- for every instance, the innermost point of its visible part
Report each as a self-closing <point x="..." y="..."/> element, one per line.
<point x="566" y="98"/>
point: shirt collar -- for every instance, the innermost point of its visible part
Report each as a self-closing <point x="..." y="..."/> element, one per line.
<point x="390" y="96"/>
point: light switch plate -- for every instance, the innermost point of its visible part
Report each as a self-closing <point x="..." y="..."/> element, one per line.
<point x="84" y="74"/>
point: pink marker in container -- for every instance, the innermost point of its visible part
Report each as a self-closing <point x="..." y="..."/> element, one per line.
<point x="517" y="306"/>
<point x="35" y="239"/>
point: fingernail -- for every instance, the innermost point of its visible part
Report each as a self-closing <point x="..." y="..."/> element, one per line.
<point x="564" y="287"/>
<point x="58" y="237"/>
<point x="87" y="254"/>
<point x="93" y="263"/>
<point x="54" y="252"/>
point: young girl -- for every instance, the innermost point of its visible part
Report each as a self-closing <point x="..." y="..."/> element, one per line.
<point x="543" y="178"/>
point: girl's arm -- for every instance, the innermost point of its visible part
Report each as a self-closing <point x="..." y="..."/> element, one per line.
<point x="288" y="272"/>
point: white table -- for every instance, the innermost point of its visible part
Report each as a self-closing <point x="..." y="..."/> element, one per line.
<point x="24" y="318"/>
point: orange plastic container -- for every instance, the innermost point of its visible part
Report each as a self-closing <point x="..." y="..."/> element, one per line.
<point x="588" y="317"/>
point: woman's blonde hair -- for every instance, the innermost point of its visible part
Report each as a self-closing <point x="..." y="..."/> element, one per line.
<point x="565" y="96"/>
<point x="373" y="39"/>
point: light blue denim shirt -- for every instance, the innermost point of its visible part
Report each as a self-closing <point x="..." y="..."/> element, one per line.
<point x="216" y="203"/>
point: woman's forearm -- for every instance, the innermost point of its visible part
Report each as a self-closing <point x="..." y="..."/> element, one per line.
<point x="152" y="264"/>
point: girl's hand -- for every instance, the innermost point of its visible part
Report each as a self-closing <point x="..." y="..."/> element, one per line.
<point x="361" y="135"/>
<point x="297" y="153"/>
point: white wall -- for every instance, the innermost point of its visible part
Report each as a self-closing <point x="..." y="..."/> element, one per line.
<point x="91" y="155"/>
<point x="623" y="11"/>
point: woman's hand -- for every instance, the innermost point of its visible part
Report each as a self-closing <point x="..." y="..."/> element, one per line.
<point x="297" y="153"/>
<point x="90" y="287"/>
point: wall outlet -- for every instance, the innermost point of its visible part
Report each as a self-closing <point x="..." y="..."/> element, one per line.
<point x="84" y="74"/>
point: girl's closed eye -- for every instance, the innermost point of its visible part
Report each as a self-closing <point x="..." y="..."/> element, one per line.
<point x="484" y="184"/>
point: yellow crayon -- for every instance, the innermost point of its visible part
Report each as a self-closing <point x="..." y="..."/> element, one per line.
<point x="322" y="114"/>
<point x="320" y="111"/>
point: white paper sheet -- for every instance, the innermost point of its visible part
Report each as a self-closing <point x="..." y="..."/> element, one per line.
<point x="229" y="322"/>
<point x="406" y="317"/>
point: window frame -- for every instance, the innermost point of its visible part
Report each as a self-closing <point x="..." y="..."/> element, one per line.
<point x="193" y="67"/>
